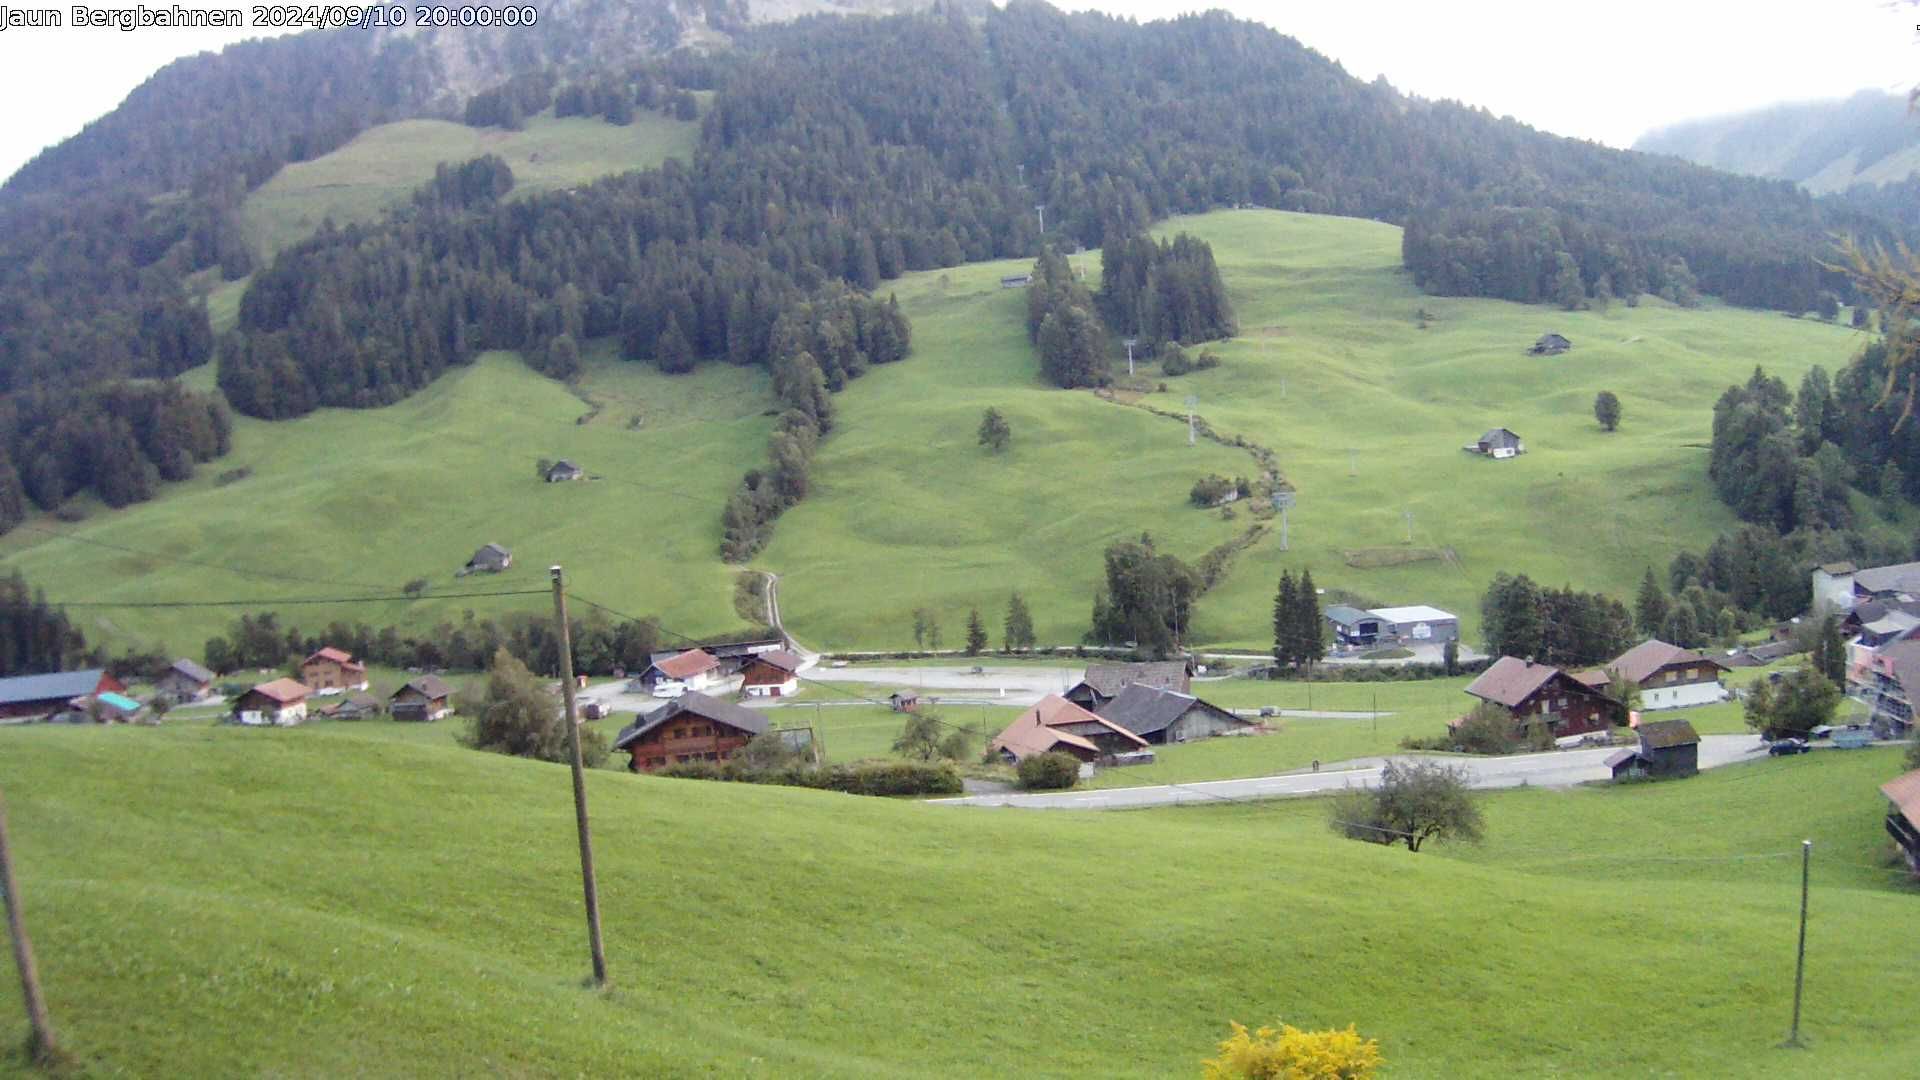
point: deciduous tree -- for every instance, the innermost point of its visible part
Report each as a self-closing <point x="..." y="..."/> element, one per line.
<point x="1412" y="803"/>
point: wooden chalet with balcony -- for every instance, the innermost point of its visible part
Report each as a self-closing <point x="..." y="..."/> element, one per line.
<point x="691" y="727"/>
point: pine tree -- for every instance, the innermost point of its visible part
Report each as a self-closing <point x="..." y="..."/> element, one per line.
<point x="1310" y="629"/>
<point x="1830" y="652"/>
<point x="994" y="431"/>
<point x="1019" y="624"/>
<point x="672" y="353"/>
<point x="1650" y="608"/>
<point x="1284" y="602"/>
<point x="976" y="633"/>
<point x="919" y="628"/>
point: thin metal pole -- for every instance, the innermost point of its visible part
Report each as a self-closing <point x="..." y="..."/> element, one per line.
<point x="41" y="1044"/>
<point x="587" y="881"/>
<point x="1800" y="962"/>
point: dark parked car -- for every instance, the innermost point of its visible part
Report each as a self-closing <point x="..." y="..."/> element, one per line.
<point x="1788" y="746"/>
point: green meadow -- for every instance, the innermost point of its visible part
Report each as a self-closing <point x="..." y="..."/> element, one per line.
<point x="344" y="504"/>
<point x="381" y="167"/>
<point x="1365" y="410"/>
<point x="360" y="900"/>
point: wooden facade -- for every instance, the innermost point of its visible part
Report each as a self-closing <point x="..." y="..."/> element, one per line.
<point x="332" y="669"/>
<point x="37" y="696"/>
<point x="424" y="699"/>
<point x="692" y="727"/>
<point x="1544" y="694"/>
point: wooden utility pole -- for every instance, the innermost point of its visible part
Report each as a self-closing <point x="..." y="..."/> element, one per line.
<point x="587" y="882"/>
<point x="40" y="1042"/>
<point x="1800" y="962"/>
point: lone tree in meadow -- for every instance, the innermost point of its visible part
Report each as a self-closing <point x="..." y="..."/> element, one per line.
<point x="1412" y="804"/>
<point x="1018" y="630"/>
<point x="1606" y="409"/>
<point x="976" y="633"/>
<point x="994" y="432"/>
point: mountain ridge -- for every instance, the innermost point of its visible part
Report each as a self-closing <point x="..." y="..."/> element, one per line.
<point x="1827" y="146"/>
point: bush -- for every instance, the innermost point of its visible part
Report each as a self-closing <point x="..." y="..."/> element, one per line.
<point x="1268" y="1054"/>
<point x="1049" y="772"/>
<point x="1210" y="489"/>
<point x="1205" y="361"/>
<point x="1173" y="359"/>
<point x="858" y="778"/>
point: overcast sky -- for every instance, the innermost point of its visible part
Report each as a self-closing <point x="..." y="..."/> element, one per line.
<point x="1607" y="72"/>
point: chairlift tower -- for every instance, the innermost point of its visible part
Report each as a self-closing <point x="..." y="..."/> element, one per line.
<point x="1042" y="211"/>
<point x="1283" y="501"/>
<point x="1130" y="343"/>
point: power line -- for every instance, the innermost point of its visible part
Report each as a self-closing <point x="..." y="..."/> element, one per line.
<point x="267" y="603"/>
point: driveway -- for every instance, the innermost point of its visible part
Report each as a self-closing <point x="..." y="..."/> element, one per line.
<point x="1561" y="768"/>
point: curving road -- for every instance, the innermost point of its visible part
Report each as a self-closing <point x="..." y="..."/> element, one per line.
<point x="1559" y="768"/>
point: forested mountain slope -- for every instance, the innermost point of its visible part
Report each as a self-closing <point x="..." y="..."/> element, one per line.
<point x="1825" y="146"/>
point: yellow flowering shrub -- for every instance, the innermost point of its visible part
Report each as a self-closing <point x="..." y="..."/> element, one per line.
<point x="1287" y="1053"/>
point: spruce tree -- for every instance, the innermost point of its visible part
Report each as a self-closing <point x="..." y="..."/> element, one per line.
<point x="1650" y="608"/>
<point x="1019" y="624"/>
<point x="1310" y="630"/>
<point x="976" y="633"/>
<point x="1830" y="652"/>
<point x="1284" y="601"/>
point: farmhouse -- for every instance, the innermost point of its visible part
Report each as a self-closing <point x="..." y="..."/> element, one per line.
<point x="692" y="727"/>
<point x="35" y="697"/>
<point x="1168" y="716"/>
<point x="1056" y="713"/>
<point x="425" y="698"/>
<point x="1669" y="677"/>
<point x="771" y="674"/>
<point x="332" y="670"/>
<point x="1549" y="345"/>
<point x="354" y="706"/>
<point x="280" y="703"/>
<point x="1544" y="693"/>
<point x="563" y="470"/>
<point x="694" y="669"/>
<point x="1395" y="625"/>
<point x="1903" y="815"/>
<point x="1667" y="748"/>
<point x="1103" y="682"/>
<point x="184" y="681"/>
<point x="490" y="559"/>
<point x="1497" y="443"/>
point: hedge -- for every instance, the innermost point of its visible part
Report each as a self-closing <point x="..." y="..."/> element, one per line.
<point x="858" y="778"/>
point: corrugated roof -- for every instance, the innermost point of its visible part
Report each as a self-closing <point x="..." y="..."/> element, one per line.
<point x="1344" y="614"/>
<point x="1666" y="734"/>
<point x="192" y="671"/>
<point x="1904" y="791"/>
<point x="1511" y="681"/>
<point x="1413" y="613"/>
<point x="118" y="701"/>
<point x="1108" y="680"/>
<point x="695" y="705"/>
<point x="1145" y="710"/>
<point x="54" y="686"/>
<point x="687" y="664"/>
<point x="1900" y="577"/>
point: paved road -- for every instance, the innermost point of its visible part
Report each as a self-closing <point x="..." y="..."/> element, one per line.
<point x="1563" y="768"/>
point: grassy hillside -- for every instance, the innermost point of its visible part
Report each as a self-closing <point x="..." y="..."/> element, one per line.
<point x="1366" y="410"/>
<point x="360" y="502"/>
<point x="329" y="902"/>
<point x="383" y="165"/>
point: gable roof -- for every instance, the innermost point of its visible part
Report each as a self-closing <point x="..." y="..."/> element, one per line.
<point x="53" y="686"/>
<point x="356" y="701"/>
<point x="1621" y="757"/>
<point x="338" y="656"/>
<point x="490" y="551"/>
<point x="1836" y="569"/>
<point x="432" y="687"/>
<point x="1108" y="680"/>
<point x="1344" y="614"/>
<point x="784" y="659"/>
<point x="692" y="704"/>
<point x="1904" y="792"/>
<point x="687" y="664"/>
<point x="1666" y="734"/>
<point x="191" y="670"/>
<point x="1028" y="735"/>
<point x="1511" y="681"/>
<point x="119" y="701"/>
<point x="1055" y="711"/>
<point x="284" y="691"/>
<point x="1144" y="710"/>
<point x="1500" y="437"/>
<point x="1900" y="577"/>
<point x="1640" y="662"/>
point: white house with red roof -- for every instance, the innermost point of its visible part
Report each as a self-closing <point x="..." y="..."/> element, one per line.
<point x="695" y="669"/>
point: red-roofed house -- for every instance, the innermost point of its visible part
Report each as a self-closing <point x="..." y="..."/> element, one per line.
<point x="333" y="671"/>
<point x="695" y="669"/>
<point x="771" y="674"/>
<point x="1542" y="692"/>
<point x="280" y="703"/>
<point x="1056" y="724"/>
